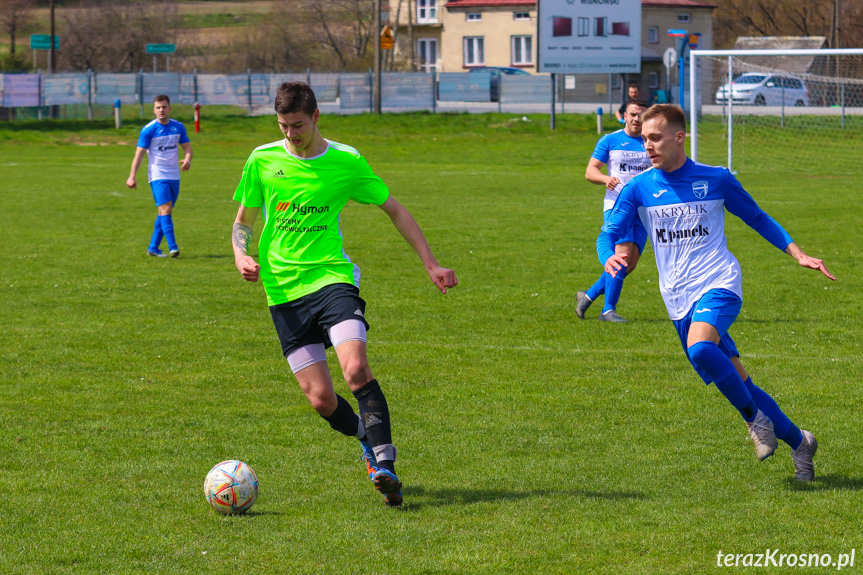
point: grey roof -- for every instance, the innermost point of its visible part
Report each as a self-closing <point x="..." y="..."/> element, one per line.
<point x="792" y="64"/>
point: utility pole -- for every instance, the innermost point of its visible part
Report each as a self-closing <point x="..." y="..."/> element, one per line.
<point x="376" y="89"/>
<point x="51" y="47"/>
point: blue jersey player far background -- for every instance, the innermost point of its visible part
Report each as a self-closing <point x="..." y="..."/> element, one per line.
<point x="682" y="204"/>
<point x="160" y="141"/>
<point x="623" y="153"/>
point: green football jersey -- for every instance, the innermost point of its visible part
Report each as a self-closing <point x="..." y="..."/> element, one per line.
<point x="300" y="249"/>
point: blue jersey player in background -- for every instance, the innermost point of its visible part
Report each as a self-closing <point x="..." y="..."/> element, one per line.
<point x="682" y="204"/>
<point x="161" y="140"/>
<point x="623" y="152"/>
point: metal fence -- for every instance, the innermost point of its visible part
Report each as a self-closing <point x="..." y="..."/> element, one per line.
<point x="347" y="92"/>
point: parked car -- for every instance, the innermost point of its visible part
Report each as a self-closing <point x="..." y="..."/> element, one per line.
<point x="761" y="89"/>
<point x="496" y="71"/>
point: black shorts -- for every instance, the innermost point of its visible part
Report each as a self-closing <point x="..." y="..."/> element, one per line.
<point x="305" y="321"/>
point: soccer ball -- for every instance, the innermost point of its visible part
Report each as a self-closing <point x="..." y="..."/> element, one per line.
<point x="231" y="487"/>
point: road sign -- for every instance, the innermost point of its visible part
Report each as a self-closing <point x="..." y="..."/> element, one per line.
<point x="387" y="40"/>
<point x="161" y="48"/>
<point x="43" y="42"/>
<point x="669" y="58"/>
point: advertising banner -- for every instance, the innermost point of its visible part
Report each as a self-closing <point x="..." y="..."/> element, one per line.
<point x="589" y="36"/>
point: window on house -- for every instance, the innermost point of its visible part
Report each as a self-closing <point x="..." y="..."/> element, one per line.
<point x="474" y="51"/>
<point x="521" y="15"/>
<point x="653" y="80"/>
<point x="653" y="35"/>
<point x="474" y="17"/>
<point x="684" y="18"/>
<point x="427" y="52"/>
<point x="426" y="11"/>
<point x="522" y="50"/>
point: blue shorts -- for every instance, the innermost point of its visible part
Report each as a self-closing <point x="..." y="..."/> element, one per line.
<point x="719" y="308"/>
<point x="636" y="233"/>
<point x="165" y="191"/>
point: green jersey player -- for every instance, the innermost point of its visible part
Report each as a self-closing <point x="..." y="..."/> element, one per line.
<point x="300" y="185"/>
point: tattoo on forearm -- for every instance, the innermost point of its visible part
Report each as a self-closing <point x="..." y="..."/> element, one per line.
<point x="242" y="237"/>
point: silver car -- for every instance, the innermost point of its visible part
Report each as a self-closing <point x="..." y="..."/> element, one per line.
<point x="765" y="89"/>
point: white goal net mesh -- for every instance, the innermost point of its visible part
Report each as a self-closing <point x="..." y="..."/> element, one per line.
<point x="789" y="113"/>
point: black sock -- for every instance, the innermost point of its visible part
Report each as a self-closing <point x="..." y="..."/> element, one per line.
<point x="343" y="419"/>
<point x="375" y="413"/>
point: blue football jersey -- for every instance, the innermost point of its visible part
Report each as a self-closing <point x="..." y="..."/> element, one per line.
<point x="625" y="158"/>
<point x="162" y="143"/>
<point x="684" y="214"/>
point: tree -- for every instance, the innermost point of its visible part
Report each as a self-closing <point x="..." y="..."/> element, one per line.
<point x="346" y="27"/>
<point x="104" y="35"/>
<point x="16" y="16"/>
<point x="736" y="18"/>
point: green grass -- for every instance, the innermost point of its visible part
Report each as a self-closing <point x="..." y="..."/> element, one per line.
<point x="529" y="441"/>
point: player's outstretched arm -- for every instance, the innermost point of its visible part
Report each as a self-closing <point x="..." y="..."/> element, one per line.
<point x="404" y="222"/>
<point x="136" y="163"/>
<point x="807" y="261"/>
<point x="241" y="238"/>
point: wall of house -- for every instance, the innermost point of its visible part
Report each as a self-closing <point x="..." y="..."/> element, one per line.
<point x="497" y="28"/>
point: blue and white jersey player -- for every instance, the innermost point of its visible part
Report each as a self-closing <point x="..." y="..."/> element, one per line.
<point x="682" y="204"/>
<point x="161" y="140"/>
<point x="623" y="152"/>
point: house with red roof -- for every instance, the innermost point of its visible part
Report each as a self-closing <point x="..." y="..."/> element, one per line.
<point x="456" y="35"/>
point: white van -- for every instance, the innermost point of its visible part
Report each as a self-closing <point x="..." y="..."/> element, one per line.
<point x="764" y="89"/>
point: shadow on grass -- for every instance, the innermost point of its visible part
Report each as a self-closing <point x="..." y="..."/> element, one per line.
<point x="444" y="497"/>
<point x="829" y="482"/>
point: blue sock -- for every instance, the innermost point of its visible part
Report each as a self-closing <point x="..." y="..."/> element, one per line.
<point x="598" y="288"/>
<point x="613" y="287"/>
<point x="708" y="357"/>
<point x="157" y="235"/>
<point x="783" y="427"/>
<point x="168" y="230"/>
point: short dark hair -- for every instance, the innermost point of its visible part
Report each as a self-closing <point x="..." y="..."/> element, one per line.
<point x="638" y="102"/>
<point x="672" y="113"/>
<point x="162" y="98"/>
<point x="295" y="97"/>
<point x="636" y="86"/>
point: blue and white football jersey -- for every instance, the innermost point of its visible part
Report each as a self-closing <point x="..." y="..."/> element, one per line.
<point x="162" y="143"/>
<point x="684" y="214"/>
<point x="625" y="158"/>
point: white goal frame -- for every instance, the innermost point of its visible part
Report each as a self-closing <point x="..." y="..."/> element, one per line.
<point x="730" y="54"/>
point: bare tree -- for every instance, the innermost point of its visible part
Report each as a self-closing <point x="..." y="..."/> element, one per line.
<point x="346" y="28"/>
<point x="105" y="35"/>
<point x="736" y="18"/>
<point x="16" y="17"/>
<point x="281" y="43"/>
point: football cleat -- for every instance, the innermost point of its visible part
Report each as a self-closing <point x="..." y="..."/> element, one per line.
<point x="611" y="315"/>
<point x="804" y="468"/>
<point x="368" y="458"/>
<point x="157" y="253"/>
<point x="761" y="432"/>
<point x="175" y="253"/>
<point x="582" y="303"/>
<point x="389" y="486"/>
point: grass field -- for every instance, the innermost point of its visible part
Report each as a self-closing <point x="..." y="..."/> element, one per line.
<point x="529" y="441"/>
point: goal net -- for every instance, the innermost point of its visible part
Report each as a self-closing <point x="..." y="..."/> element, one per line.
<point x="778" y="112"/>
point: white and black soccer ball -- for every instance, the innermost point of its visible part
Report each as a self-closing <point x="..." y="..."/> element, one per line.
<point x="231" y="487"/>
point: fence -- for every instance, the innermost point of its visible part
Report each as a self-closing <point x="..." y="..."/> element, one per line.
<point x="347" y="92"/>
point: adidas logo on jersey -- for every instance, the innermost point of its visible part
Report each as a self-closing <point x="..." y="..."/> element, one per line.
<point x="280" y="174"/>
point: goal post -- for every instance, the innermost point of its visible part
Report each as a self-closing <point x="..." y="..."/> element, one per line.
<point x="772" y="96"/>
